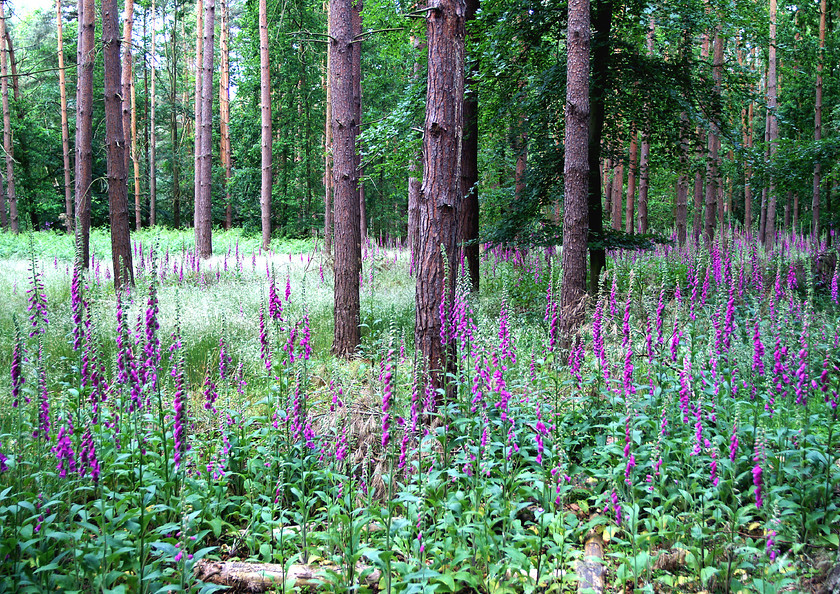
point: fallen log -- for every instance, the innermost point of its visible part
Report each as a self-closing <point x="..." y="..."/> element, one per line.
<point x="260" y="577"/>
<point x="591" y="569"/>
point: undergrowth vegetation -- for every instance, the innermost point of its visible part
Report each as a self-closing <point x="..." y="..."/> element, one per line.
<point x="692" y="422"/>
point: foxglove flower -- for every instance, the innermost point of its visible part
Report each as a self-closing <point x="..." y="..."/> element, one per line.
<point x="756" y="472"/>
<point x="758" y="349"/>
<point x="63" y="449"/>
<point x="265" y="350"/>
<point x="37" y="302"/>
<point x="387" y="393"/>
<point x="179" y="431"/>
<point x="88" y="462"/>
<point x="210" y="393"/>
<point x="17" y="368"/>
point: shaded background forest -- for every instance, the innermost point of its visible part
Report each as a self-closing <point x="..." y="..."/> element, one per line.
<point x="659" y="81"/>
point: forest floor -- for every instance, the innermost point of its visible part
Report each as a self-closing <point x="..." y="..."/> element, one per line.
<point x="691" y="432"/>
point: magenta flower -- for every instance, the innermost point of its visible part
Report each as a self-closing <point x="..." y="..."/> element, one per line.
<point x="713" y="469"/>
<point x="756" y="472"/>
<point x="305" y="341"/>
<point x="179" y="431"/>
<point x="3" y="460"/>
<point x="76" y="306"/>
<point x="265" y="350"/>
<point x="387" y="392"/>
<point x="17" y="368"/>
<point x="758" y="349"/>
<point x="88" y="463"/>
<point x="772" y="551"/>
<point x="275" y="304"/>
<point x="63" y="449"/>
<point x="37" y="303"/>
<point x="210" y="394"/>
<point x="733" y="443"/>
<point x="43" y="429"/>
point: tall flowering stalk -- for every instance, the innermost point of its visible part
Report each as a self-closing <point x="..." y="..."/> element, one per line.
<point x="37" y="301"/>
<point x="76" y="305"/>
<point x="758" y="349"/>
<point x="43" y="430"/>
<point x="63" y="448"/>
<point x="265" y="350"/>
<point x="179" y="431"/>
<point x="4" y="467"/>
<point x="629" y="388"/>
<point x="387" y="394"/>
<point x="18" y="352"/>
<point x="151" y="350"/>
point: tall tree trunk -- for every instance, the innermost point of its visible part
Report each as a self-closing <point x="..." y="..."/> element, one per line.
<point x="348" y="238"/>
<point x="152" y="124"/>
<point x="84" y="127"/>
<point x="468" y="216"/>
<point x="713" y="170"/>
<point x="520" y="146"/>
<point x="440" y="195"/>
<point x="629" y="215"/>
<point x="644" y="156"/>
<point x="128" y="100"/>
<point x="601" y="26"/>
<point x="65" y="128"/>
<point x="414" y="182"/>
<point x="13" y="66"/>
<point x="357" y="111"/>
<point x="697" y="227"/>
<point x="608" y="183"/>
<point x="224" y="107"/>
<point x="7" y="125"/>
<point x="115" y="149"/>
<point x="204" y="222"/>
<point x="772" y="131"/>
<point x="617" y="192"/>
<point x="4" y="221"/>
<point x="576" y="168"/>
<point x="265" y="118"/>
<point x="328" y="176"/>
<point x="199" y="55"/>
<point x="748" y="194"/>
<point x="682" y="182"/>
<point x="173" y="127"/>
<point x="815" y="197"/>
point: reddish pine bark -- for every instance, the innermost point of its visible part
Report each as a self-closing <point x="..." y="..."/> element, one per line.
<point x="440" y="194"/>
<point x="115" y="149"/>
<point x="266" y="180"/>
<point x="199" y="54"/>
<point x="468" y="216"/>
<point x="348" y="239"/>
<point x="713" y="200"/>
<point x="84" y="127"/>
<point x="65" y="128"/>
<point x="204" y="219"/>
<point x="8" y="147"/>
<point x="328" y="189"/>
<point x="630" y="212"/>
<point x="815" y="197"/>
<point x="152" y="127"/>
<point x="576" y="168"/>
<point x="772" y="131"/>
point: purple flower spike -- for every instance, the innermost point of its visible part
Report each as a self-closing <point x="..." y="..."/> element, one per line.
<point x="387" y="393"/>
